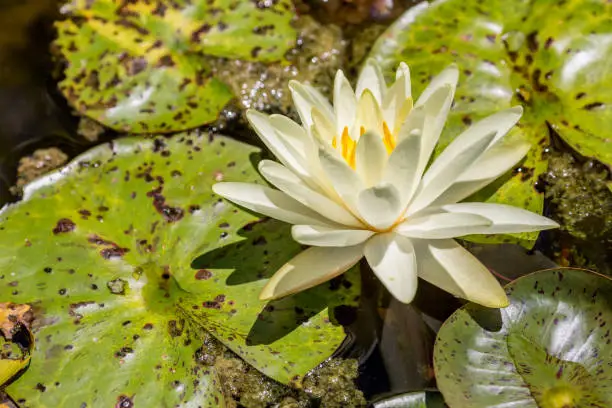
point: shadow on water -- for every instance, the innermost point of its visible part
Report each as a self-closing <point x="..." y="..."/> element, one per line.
<point x="32" y="113"/>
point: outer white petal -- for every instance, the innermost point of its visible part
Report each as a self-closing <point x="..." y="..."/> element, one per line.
<point x="294" y="134"/>
<point x="436" y="111"/>
<point x="345" y="181"/>
<point x="492" y="164"/>
<point x="269" y="202"/>
<point x="444" y="171"/>
<point x="325" y="236"/>
<point x="380" y="205"/>
<point x="286" y="140"/>
<point x="499" y="124"/>
<point x="442" y="225"/>
<point x="446" y="264"/>
<point x="505" y="218"/>
<point x="310" y="268"/>
<point x="401" y="170"/>
<point x="305" y="98"/>
<point x="370" y="158"/>
<point x="496" y="161"/>
<point x="345" y="103"/>
<point x="290" y="184"/>
<point x="371" y="78"/>
<point x="393" y="260"/>
<point x="448" y="77"/>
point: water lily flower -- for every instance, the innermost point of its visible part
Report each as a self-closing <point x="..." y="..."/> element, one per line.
<point x="355" y="180"/>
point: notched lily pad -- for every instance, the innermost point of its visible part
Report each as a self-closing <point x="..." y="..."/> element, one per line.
<point x="121" y="256"/>
<point x="554" y="61"/>
<point x="550" y="348"/>
<point x="144" y="66"/>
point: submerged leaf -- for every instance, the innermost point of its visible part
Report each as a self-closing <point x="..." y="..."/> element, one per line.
<point x="554" y="61"/>
<point x="550" y="348"/>
<point x="143" y="66"/>
<point x="127" y="256"/>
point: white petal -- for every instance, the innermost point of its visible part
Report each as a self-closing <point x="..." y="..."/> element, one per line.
<point x="393" y="101"/>
<point x="499" y="123"/>
<point x="371" y="78"/>
<point x="436" y="111"/>
<point x="380" y="206"/>
<point x="446" y="264"/>
<point x="345" y="103"/>
<point x="505" y="218"/>
<point x="401" y="170"/>
<point x="448" y="77"/>
<point x="292" y="133"/>
<point x="269" y="202"/>
<point x="288" y="182"/>
<point x="397" y="103"/>
<point x="492" y="164"/>
<point x="305" y="98"/>
<point x="442" y="225"/>
<point x="325" y="237"/>
<point x="403" y="72"/>
<point x="344" y="179"/>
<point x="393" y="260"/>
<point x="310" y="268"/>
<point x="496" y="161"/>
<point x="444" y="171"/>
<point x="323" y="127"/>
<point x="281" y="140"/>
<point x="370" y="158"/>
<point x="369" y="116"/>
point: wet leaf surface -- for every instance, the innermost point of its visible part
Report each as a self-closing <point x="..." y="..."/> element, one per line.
<point x="550" y="348"/>
<point x="144" y="66"/>
<point x="418" y="399"/>
<point x="552" y="60"/>
<point x="126" y="256"/>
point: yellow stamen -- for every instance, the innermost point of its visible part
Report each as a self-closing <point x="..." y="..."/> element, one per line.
<point x="348" y="148"/>
<point x="388" y="138"/>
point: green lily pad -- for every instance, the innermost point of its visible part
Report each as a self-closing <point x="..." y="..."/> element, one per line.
<point x="550" y="348"/>
<point x="126" y="257"/>
<point x="555" y="61"/>
<point x="419" y="399"/>
<point x="142" y="66"/>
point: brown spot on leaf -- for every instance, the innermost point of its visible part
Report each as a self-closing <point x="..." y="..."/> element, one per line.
<point x="64" y="225"/>
<point x="203" y="274"/>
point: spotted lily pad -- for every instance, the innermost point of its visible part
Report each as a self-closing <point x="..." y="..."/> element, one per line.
<point x="126" y="258"/>
<point x="144" y="66"/>
<point x="550" y="348"/>
<point x="555" y="61"/>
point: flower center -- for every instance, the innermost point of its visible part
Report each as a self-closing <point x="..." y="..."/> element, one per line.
<point x="347" y="146"/>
